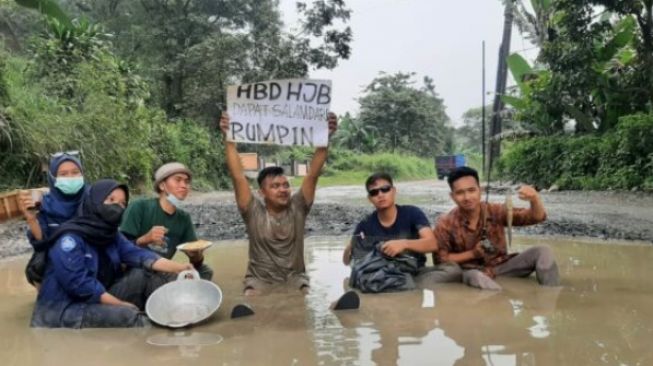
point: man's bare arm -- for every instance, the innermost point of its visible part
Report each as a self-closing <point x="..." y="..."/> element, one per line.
<point x="319" y="158"/>
<point x="241" y="186"/>
<point x="425" y="244"/>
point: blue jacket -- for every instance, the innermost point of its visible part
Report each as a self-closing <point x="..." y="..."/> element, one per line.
<point x="48" y="224"/>
<point x="71" y="277"/>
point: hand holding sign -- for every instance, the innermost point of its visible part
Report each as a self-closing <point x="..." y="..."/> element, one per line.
<point x="224" y="123"/>
<point x="333" y="123"/>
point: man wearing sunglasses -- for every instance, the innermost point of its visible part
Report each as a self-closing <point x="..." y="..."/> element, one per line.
<point x="396" y="230"/>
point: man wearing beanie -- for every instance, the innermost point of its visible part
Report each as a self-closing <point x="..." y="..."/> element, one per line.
<point x="159" y="223"/>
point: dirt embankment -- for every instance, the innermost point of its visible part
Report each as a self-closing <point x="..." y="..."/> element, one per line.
<point x="604" y="215"/>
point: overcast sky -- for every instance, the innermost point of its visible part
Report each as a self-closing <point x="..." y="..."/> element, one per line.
<point x="438" y="38"/>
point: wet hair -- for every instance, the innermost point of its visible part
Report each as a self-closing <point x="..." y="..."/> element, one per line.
<point x="377" y="176"/>
<point x="271" y="171"/>
<point x="463" y="171"/>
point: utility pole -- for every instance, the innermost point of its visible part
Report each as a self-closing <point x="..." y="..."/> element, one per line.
<point x="500" y="89"/>
<point x="483" y="162"/>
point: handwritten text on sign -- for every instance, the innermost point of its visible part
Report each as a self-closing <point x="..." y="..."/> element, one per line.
<point x="281" y="112"/>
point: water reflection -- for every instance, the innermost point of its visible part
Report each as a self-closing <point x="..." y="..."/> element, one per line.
<point x="602" y="315"/>
<point x="523" y="325"/>
<point x="189" y="343"/>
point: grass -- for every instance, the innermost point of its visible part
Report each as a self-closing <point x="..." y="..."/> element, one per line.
<point x="339" y="179"/>
<point x="349" y="168"/>
<point x="349" y="178"/>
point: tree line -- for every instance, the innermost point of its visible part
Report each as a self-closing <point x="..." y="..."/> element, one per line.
<point x="581" y="115"/>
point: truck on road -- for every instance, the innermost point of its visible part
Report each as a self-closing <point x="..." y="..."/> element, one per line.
<point x="444" y="164"/>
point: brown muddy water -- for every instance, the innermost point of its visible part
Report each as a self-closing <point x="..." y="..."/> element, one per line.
<point x="602" y="315"/>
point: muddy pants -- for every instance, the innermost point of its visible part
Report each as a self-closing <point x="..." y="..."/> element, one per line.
<point x="138" y="284"/>
<point x="537" y="259"/>
<point x="206" y="273"/>
<point x="293" y="281"/>
<point x="134" y="287"/>
<point x="439" y="273"/>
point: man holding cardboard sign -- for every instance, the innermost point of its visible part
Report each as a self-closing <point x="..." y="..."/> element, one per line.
<point x="275" y="223"/>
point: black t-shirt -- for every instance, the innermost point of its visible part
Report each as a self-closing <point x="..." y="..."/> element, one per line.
<point x="410" y="220"/>
<point x="106" y="273"/>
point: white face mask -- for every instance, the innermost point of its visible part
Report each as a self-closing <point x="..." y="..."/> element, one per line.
<point x="173" y="200"/>
<point x="69" y="185"/>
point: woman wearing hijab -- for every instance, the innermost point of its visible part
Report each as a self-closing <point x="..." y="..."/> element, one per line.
<point x="85" y="285"/>
<point x="66" y="182"/>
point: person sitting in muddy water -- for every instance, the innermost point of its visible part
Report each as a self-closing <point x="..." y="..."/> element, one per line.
<point x="393" y="231"/>
<point x="275" y="224"/>
<point x="95" y="277"/>
<point x="472" y="235"/>
<point x="45" y="213"/>
<point x="159" y="223"/>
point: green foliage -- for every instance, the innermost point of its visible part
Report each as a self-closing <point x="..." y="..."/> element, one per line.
<point x="591" y="69"/>
<point x="48" y="8"/>
<point x="191" y="144"/>
<point x="62" y="46"/>
<point x="353" y="134"/>
<point x="534" y="25"/>
<point x="399" y="166"/>
<point x="17" y="25"/>
<point x="117" y="135"/>
<point x="596" y="70"/>
<point x="4" y="97"/>
<point x="91" y="85"/>
<point x="191" y="50"/>
<point x="287" y="154"/>
<point x="621" y="159"/>
<point x="402" y="118"/>
<point x="519" y="68"/>
<point x="468" y="137"/>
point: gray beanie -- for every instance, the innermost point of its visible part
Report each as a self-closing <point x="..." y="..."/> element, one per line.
<point x="167" y="170"/>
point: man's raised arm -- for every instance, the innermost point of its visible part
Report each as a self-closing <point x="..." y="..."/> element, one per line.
<point x="319" y="158"/>
<point x="241" y="186"/>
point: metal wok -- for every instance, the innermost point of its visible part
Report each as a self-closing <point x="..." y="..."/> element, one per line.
<point x="183" y="302"/>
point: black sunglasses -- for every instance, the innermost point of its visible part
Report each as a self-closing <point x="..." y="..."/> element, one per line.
<point x="375" y="191"/>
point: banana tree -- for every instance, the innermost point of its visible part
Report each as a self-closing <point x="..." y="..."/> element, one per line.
<point x="49" y="8"/>
<point x="611" y="57"/>
<point x="536" y="25"/>
<point x="355" y="135"/>
<point x="614" y="57"/>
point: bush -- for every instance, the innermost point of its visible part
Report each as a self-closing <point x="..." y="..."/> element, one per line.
<point x="397" y="165"/>
<point x="620" y="159"/>
<point x="117" y="134"/>
<point x="534" y="161"/>
<point x="193" y="145"/>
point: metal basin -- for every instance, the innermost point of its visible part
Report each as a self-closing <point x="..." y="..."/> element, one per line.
<point x="187" y="301"/>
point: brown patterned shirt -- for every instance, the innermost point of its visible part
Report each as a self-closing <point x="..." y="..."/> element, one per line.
<point x="454" y="235"/>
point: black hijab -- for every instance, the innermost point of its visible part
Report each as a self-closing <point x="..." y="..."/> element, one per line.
<point x="91" y="221"/>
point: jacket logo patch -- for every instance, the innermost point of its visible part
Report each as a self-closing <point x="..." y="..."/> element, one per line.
<point x="68" y="244"/>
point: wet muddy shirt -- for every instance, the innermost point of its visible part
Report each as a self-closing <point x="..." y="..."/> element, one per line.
<point x="454" y="235"/>
<point x="276" y="242"/>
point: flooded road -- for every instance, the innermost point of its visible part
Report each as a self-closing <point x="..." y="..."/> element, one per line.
<point x="602" y="315"/>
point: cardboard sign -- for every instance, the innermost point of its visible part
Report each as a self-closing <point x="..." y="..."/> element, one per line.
<point x="280" y="112"/>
